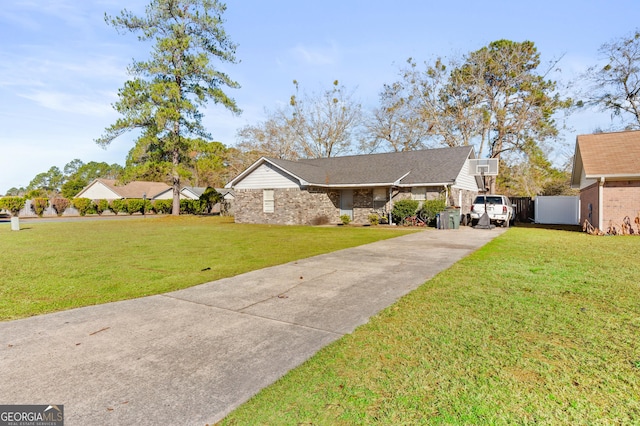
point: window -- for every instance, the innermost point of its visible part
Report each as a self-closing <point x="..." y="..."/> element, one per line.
<point x="419" y="193"/>
<point x="268" y="202"/>
<point x="379" y="198"/>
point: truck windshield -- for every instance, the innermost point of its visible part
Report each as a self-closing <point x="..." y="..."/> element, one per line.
<point x="490" y="200"/>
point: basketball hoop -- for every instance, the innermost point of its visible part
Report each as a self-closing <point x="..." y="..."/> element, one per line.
<point x="483" y="167"/>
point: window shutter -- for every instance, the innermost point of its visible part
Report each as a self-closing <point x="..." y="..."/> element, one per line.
<point x="268" y="201"/>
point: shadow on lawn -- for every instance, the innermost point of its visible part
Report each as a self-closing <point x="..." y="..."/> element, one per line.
<point x="570" y="228"/>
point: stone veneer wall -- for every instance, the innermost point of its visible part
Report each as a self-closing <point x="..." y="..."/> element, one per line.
<point x="302" y="207"/>
<point x="362" y="205"/>
<point x="467" y="199"/>
<point x="292" y="207"/>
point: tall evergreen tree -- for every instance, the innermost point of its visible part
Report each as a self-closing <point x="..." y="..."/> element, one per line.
<point x="165" y="97"/>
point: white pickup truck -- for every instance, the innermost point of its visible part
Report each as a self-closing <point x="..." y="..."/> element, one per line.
<point x="499" y="209"/>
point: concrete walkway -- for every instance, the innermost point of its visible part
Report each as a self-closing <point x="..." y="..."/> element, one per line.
<point x="190" y="357"/>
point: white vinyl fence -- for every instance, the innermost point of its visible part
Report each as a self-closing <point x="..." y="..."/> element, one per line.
<point x="49" y="211"/>
<point x="557" y="210"/>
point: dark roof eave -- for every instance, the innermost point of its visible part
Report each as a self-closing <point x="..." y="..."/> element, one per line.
<point x="378" y="184"/>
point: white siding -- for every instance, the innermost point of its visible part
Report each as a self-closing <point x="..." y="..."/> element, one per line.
<point x="266" y="176"/>
<point x="465" y="180"/>
<point x="166" y="195"/>
<point x="98" y="191"/>
<point x="584" y="182"/>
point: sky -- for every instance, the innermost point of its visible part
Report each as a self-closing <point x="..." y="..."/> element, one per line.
<point x="61" y="65"/>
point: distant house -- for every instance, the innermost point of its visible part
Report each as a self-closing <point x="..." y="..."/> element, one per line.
<point x="108" y="189"/>
<point x="606" y="169"/>
<point x="225" y="207"/>
<point x="192" y="192"/>
<point x="313" y="191"/>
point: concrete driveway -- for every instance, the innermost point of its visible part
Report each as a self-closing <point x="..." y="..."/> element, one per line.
<point x="190" y="357"/>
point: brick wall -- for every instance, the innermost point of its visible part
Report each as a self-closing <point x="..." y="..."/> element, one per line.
<point x="621" y="199"/>
<point x="589" y="205"/>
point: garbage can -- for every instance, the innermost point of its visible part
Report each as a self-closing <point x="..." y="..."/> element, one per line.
<point x="454" y="218"/>
<point x="444" y="220"/>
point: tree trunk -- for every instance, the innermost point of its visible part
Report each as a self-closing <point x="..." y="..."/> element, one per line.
<point x="175" y="181"/>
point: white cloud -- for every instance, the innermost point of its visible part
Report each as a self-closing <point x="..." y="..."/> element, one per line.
<point x="316" y="55"/>
<point x="67" y="102"/>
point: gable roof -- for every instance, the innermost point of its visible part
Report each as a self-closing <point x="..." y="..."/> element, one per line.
<point x="608" y="155"/>
<point x="134" y="189"/>
<point x="193" y="192"/>
<point x="440" y="166"/>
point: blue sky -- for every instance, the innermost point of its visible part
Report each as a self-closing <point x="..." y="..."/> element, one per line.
<point x="61" y="65"/>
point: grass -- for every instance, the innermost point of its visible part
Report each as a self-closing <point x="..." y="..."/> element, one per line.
<point x="537" y="327"/>
<point x="52" y="266"/>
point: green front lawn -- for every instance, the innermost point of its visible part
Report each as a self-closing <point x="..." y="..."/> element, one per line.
<point x="51" y="266"/>
<point x="537" y="327"/>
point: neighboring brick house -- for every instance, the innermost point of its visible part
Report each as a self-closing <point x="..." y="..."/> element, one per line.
<point x="316" y="191"/>
<point x="606" y="169"/>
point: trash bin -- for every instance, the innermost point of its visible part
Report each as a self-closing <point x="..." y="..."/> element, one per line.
<point x="454" y="217"/>
<point x="444" y="220"/>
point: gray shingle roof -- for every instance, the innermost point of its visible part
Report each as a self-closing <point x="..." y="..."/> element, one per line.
<point x="431" y="166"/>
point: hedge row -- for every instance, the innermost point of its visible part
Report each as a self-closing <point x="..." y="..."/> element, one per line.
<point x="87" y="206"/>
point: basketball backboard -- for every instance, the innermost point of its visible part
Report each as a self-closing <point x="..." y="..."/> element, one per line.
<point x="483" y="166"/>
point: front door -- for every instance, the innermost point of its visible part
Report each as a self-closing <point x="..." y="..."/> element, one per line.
<point x="346" y="202"/>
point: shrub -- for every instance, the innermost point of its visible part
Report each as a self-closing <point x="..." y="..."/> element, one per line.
<point x="402" y="209"/>
<point x="36" y="193"/>
<point x="192" y="206"/>
<point x="374" y="219"/>
<point x="12" y="204"/>
<point x="39" y="205"/>
<point x="345" y="218"/>
<point x="162" y="206"/>
<point x="101" y="206"/>
<point x="134" y="205"/>
<point x="431" y="208"/>
<point x="83" y="205"/>
<point x="118" y="206"/>
<point x="209" y="198"/>
<point x="60" y="204"/>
